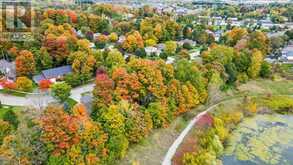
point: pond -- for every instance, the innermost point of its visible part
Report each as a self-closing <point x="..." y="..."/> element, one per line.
<point x="261" y="140"/>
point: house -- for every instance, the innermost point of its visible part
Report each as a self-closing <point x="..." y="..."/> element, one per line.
<point x="92" y="45"/>
<point x="188" y="41"/>
<point x="266" y="23"/>
<point x="8" y="69"/>
<point x="287" y="54"/>
<point x="218" y="34"/>
<point x="121" y="39"/>
<point x="160" y="47"/>
<point x="79" y="34"/>
<point x="170" y="60"/>
<point x="217" y="21"/>
<point x="194" y="54"/>
<point x="53" y="74"/>
<point x="150" y="50"/>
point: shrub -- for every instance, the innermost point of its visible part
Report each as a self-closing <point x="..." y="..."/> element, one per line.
<point x="242" y="78"/>
<point x="252" y="108"/>
<point x="210" y="141"/>
<point x="203" y="157"/>
<point x="24" y="84"/>
<point x="61" y="91"/>
<point x="266" y="70"/>
<point x="5" y="130"/>
<point x="118" y="146"/>
<point x="11" y="118"/>
<point x="45" y="84"/>
<point x="280" y="103"/>
<point x="10" y="85"/>
<point x="159" y="114"/>
<point x="73" y="80"/>
<point x="187" y="46"/>
<point x="220" y="129"/>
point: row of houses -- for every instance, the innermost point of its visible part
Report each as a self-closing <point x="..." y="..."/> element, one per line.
<point x="233" y="21"/>
<point x="287" y="54"/>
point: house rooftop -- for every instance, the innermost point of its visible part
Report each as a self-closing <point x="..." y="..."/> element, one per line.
<point x="53" y="73"/>
<point x="8" y="68"/>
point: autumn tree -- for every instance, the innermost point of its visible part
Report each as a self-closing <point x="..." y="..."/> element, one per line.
<point x="103" y="91"/>
<point x="114" y="59"/>
<point x="136" y="125"/>
<point x="113" y="37"/>
<point x="190" y="72"/>
<point x="5" y="130"/>
<point x="159" y="114"/>
<point x="151" y="78"/>
<point x="24" y="84"/>
<point x="219" y="53"/>
<point x="82" y="61"/>
<point x="170" y="47"/>
<point x="59" y="40"/>
<point x="45" y="84"/>
<point x="61" y="91"/>
<point x="101" y="41"/>
<point x="259" y="40"/>
<point x="256" y="62"/>
<point x="66" y="135"/>
<point x="127" y="86"/>
<point x="25" y="63"/>
<point x="133" y="41"/>
<point x="235" y="35"/>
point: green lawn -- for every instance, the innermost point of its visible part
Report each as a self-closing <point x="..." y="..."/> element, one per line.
<point x="71" y="103"/>
<point x="282" y="87"/>
<point x="14" y="93"/>
<point x="6" y="108"/>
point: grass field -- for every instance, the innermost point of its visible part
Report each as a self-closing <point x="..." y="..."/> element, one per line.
<point x="6" y="108"/>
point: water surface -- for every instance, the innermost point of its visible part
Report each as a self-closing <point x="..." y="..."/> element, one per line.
<point x="261" y="140"/>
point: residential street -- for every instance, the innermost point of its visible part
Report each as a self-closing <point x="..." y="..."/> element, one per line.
<point x="42" y="99"/>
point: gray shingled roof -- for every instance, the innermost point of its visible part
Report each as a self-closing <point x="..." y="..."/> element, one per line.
<point x="6" y="66"/>
<point x="53" y="73"/>
<point x="56" y="72"/>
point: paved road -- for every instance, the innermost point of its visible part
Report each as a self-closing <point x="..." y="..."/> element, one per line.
<point x="29" y="100"/>
<point x="172" y="150"/>
<point x="42" y="99"/>
<point x="76" y="93"/>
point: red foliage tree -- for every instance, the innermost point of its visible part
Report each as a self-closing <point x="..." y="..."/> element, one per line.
<point x="44" y="84"/>
<point x="127" y="85"/>
<point x="59" y="129"/>
<point x="103" y="90"/>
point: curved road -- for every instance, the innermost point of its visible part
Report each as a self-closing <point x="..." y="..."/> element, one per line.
<point x="172" y="150"/>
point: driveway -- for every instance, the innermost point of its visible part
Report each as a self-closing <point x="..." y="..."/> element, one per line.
<point x="76" y="93"/>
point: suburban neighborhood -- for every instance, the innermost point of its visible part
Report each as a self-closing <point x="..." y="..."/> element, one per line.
<point x="146" y="82"/>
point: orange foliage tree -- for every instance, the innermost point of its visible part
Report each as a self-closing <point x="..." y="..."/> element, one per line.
<point x="127" y="86"/>
<point x="133" y="41"/>
<point x="25" y="63"/>
<point x="103" y="90"/>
